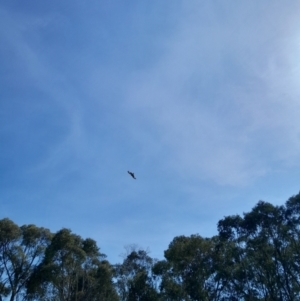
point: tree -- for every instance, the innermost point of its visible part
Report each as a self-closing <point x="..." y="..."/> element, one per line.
<point x="189" y="272"/>
<point x="262" y="263"/>
<point x="72" y="270"/>
<point x="20" y="248"/>
<point x="134" y="279"/>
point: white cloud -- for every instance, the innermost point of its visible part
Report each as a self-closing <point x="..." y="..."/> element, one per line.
<point x="229" y="123"/>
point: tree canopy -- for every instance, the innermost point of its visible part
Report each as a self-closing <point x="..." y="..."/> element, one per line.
<point x="254" y="257"/>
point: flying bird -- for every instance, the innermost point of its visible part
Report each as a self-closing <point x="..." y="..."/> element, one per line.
<point x="132" y="174"/>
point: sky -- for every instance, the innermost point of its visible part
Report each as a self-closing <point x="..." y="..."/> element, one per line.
<point x="200" y="99"/>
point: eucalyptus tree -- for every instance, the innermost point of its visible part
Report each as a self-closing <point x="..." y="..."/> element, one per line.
<point x="292" y="218"/>
<point x="73" y="269"/>
<point x="190" y="270"/>
<point x="236" y="270"/>
<point x="134" y="278"/>
<point x="21" y="248"/>
<point x="95" y="279"/>
<point x="266" y="240"/>
<point x="266" y="247"/>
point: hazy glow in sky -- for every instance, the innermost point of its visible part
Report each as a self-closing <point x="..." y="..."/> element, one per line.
<point x="200" y="99"/>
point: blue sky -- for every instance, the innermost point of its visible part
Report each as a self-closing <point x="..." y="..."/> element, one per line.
<point x="201" y="99"/>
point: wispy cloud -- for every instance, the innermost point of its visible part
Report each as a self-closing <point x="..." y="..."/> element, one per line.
<point x="212" y="125"/>
<point x="199" y="99"/>
<point x="52" y="97"/>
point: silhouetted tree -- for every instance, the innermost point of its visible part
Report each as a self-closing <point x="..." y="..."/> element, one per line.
<point x="254" y="257"/>
<point x="134" y="279"/>
<point x="72" y="269"/>
<point x="21" y="248"/>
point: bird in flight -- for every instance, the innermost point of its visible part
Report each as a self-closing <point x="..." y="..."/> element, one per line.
<point x="132" y="174"/>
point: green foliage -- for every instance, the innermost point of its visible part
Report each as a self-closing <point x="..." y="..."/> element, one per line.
<point x="21" y="249"/>
<point x="72" y="269"/>
<point x="190" y="270"/>
<point x="254" y="257"/>
<point x="264" y="246"/>
<point x="134" y="279"/>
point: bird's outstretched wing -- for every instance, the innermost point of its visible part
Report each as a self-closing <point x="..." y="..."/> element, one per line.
<point x="132" y="174"/>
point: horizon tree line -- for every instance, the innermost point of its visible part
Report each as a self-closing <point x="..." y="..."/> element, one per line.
<point x="254" y="257"/>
